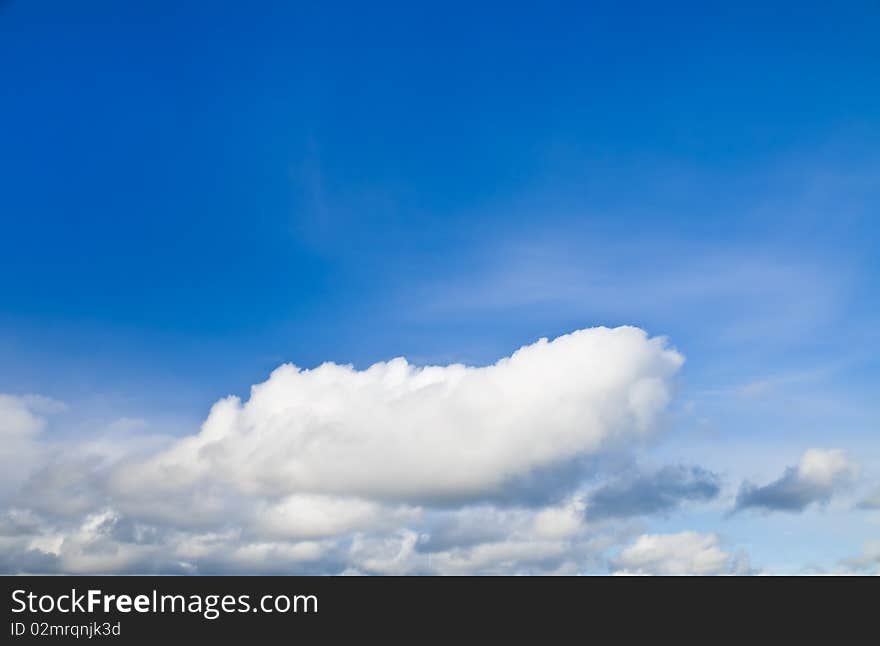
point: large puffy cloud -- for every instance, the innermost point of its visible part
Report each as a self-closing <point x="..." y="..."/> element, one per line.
<point x="820" y="474"/>
<point x="396" y="431"/>
<point x="392" y="469"/>
<point x="681" y="553"/>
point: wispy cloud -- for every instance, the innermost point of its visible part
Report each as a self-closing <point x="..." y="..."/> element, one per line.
<point x="757" y="293"/>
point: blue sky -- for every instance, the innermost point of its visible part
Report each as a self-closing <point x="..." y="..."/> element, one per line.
<point x="195" y="193"/>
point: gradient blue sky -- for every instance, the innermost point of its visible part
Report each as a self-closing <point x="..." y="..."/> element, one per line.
<point x="194" y="193"/>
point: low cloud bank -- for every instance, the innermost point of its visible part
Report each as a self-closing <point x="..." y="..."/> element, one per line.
<point x="391" y="469"/>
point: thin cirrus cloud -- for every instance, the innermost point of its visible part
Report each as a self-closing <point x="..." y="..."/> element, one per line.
<point x="736" y="298"/>
<point x="391" y="469"/>
<point x="818" y="476"/>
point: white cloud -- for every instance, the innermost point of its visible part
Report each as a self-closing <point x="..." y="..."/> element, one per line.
<point x="681" y="553"/>
<point x="826" y="468"/>
<point x="561" y="521"/>
<point x="389" y="554"/>
<point x="305" y="516"/>
<point x="396" y="431"/>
